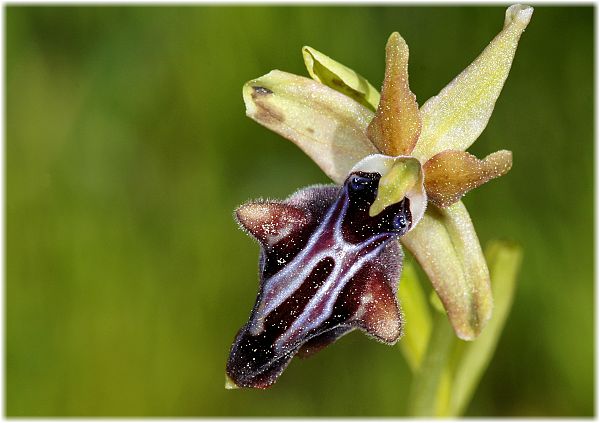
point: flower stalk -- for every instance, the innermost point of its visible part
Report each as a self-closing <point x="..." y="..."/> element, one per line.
<point x="427" y="382"/>
<point x="447" y="370"/>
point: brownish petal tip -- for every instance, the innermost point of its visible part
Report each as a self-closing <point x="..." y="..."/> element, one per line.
<point x="397" y="123"/>
<point x="451" y="174"/>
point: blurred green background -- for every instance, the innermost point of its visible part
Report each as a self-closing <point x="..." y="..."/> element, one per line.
<point x="127" y="149"/>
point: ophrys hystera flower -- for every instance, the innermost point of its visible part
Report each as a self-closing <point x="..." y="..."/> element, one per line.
<point x="416" y="155"/>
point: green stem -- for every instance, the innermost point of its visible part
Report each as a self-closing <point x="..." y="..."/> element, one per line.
<point x="426" y="383"/>
<point x="504" y="260"/>
<point x="416" y="312"/>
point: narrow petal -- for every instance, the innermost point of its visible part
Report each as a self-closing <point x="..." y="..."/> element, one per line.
<point x="447" y="248"/>
<point x="454" y="118"/>
<point x="327" y="125"/>
<point x="397" y="123"/>
<point x="451" y="174"/>
<point x="327" y="71"/>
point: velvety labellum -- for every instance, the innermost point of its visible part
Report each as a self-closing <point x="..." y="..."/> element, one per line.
<point x="326" y="267"/>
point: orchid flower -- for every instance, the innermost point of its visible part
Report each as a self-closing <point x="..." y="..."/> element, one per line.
<point x="397" y="163"/>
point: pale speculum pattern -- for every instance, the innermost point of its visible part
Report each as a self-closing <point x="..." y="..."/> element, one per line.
<point x="326" y="268"/>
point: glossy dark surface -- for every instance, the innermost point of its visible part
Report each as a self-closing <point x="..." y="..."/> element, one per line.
<point x="337" y="271"/>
